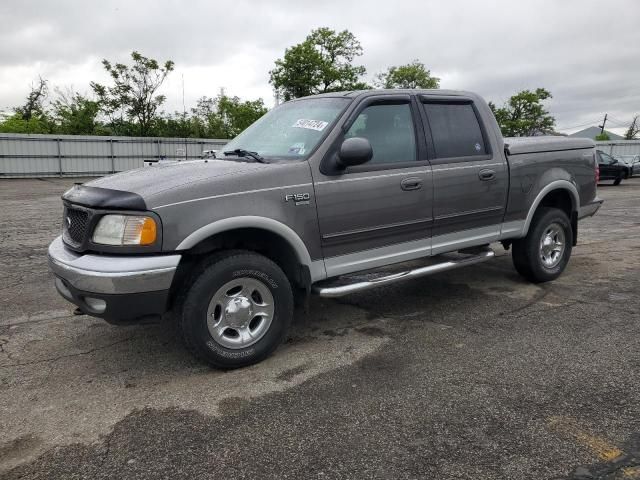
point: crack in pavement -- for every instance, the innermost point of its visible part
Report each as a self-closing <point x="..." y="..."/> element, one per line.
<point x="60" y="357"/>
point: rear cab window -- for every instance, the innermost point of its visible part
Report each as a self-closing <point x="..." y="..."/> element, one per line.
<point x="456" y="131"/>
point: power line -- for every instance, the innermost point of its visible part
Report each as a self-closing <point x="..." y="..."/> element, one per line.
<point x="619" y="122"/>
<point x="577" y="126"/>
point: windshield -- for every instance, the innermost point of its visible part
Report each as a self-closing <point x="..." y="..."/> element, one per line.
<point x="292" y="130"/>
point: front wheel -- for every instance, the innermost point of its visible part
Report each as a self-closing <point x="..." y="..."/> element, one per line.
<point x="237" y="310"/>
<point x="543" y="254"/>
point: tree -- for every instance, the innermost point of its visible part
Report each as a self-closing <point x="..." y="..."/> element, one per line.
<point x="75" y="114"/>
<point x="524" y="114"/>
<point x="224" y="116"/>
<point x="321" y="63"/>
<point x="237" y="115"/>
<point x="633" y="129"/>
<point x="133" y="93"/>
<point x="32" y="116"/>
<point x="36" y="124"/>
<point x="602" y="137"/>
<point x="178" y="124"/>
<point x="412" y="75"/>
<point x="34" y="104"/>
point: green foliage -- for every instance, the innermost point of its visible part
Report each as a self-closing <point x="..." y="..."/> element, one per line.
<point x="322" y="63"/>
<point x="603" y="137"/>
<point x="524" y="114"/>
<point x="176" y="125"/>
<point x="412" y="75"/>
<point x="133" y="93"/>
<point x="30" y="117"/>
<point x="131" y="105"/>
<point x="633" y="129"/>
<point x="219" y="117"/>
<point x="224" y="117"/>
<point x="75" y="114"/>
<point x="237" y="115"/>
<point x="36" y="124"/>
<point x="34" y="103"/>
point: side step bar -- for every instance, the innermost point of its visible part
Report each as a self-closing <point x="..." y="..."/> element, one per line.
<point x="329" y="291"/>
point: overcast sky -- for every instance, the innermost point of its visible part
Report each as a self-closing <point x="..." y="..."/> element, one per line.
<point x="587" y="53"/>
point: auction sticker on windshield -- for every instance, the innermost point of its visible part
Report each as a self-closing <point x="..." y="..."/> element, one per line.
<point x="318" y="125"/>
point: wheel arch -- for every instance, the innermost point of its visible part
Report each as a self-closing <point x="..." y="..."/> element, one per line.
<point x="269" y="237"/>
<point x="558" y="194"/>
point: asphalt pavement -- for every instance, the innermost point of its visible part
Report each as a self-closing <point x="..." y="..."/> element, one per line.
<point x="469" y="374"/>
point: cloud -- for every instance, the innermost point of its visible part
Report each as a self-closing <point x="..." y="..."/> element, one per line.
<point x="584" y="52"/>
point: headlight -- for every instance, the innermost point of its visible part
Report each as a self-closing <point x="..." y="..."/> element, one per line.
<point x="125" y="230"/>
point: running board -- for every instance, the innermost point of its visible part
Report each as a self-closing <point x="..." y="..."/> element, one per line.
<point x="326" y="290"/>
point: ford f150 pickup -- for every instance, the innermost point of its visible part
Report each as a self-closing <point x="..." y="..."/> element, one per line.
<point x="393" y="183"/>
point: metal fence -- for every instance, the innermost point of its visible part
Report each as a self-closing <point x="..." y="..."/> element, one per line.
<point x="76" y="155"/>
<point x="620" y="147"/>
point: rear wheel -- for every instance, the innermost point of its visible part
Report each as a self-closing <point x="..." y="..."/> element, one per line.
<point x="543" y="254"/>
<point x="617" y="180"/>
<point x="237" y="310"/>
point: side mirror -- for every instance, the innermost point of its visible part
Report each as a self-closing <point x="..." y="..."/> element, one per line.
<point x="354" y="151"/>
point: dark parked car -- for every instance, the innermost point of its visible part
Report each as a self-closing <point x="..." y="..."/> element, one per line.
<point x="611" y="169"/>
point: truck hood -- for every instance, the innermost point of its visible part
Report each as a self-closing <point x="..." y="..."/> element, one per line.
<point x="163" y="184"/>
<point x="150" y="181"/>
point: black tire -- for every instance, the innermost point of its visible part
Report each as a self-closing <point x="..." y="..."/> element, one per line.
<point x="617" y="180"/>
<point x="527" y="251"/>
<point x="211" y="276"/>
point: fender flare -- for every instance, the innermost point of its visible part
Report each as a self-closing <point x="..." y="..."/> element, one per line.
<point x="316" y="268"/>
<point x="555" y="185"/>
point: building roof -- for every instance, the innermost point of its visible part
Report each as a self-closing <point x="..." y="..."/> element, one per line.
<point x="592" y="132"/>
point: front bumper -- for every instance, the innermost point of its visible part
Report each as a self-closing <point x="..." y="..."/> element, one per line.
<point x="114" y="287"/>
<point x="590" y="209"/>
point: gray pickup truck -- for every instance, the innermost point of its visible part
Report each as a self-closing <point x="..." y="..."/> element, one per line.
<point x="316" y="190"/>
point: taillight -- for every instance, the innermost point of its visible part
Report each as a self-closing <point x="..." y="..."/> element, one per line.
<point x="597" y="173"/>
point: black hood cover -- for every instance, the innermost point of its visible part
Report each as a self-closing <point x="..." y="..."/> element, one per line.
<point x="107" y="198"/>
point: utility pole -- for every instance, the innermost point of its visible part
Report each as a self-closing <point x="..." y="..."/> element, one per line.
<point x="603" y="124"/>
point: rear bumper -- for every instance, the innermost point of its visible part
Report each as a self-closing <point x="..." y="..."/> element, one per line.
<point x="590" y="209"/>
<point x="116" y="288"/>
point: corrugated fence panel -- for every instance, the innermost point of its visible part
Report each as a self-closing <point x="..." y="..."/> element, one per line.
<point x="127" y="163"/>
<point x="59" y="155"/>
<point x="626" y="147"/>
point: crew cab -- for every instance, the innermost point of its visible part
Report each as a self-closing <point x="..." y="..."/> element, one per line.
<point x="315" y="191"/>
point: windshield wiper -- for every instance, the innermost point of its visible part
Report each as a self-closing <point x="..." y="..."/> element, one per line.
<point x="241" y="152"/>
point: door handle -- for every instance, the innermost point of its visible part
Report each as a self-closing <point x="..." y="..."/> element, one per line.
<point x="411" y="183"/>
<point x="486" y="174"/>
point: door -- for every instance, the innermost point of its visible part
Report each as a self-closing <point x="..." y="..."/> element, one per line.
<point x="379" y="212"/>
<point x="470" y="179"/>
<point x="608" y="168"/>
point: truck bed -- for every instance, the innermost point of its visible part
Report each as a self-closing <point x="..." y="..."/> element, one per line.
<point x="521" y="145"/>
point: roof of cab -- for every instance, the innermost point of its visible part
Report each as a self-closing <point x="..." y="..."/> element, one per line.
<point x="392" y="91"/>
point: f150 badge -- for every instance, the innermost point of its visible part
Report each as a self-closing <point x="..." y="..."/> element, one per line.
<point x="298" y="198"/>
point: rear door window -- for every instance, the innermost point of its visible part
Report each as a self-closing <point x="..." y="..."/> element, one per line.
<point x="455" y="130"/>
